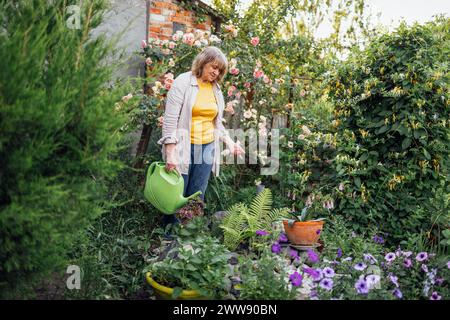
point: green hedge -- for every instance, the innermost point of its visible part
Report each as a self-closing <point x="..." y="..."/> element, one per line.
<point x="392" y="106"/>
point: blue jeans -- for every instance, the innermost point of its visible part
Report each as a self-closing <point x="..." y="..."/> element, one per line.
<point x="200" y="166"/>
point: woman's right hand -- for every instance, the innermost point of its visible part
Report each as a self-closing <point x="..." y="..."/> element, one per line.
<point x="171" y="163"/>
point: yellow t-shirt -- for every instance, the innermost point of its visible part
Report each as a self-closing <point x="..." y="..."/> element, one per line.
<point x="203" y="113"/>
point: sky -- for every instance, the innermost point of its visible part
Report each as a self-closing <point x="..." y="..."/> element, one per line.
<point x="393" y="11"/>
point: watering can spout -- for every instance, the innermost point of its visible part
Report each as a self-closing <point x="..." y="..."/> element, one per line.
<point x="192" y="196"/>
<point x="164" y="190"/>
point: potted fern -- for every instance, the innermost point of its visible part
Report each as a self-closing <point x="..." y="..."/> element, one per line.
<point x="301" y="230"/>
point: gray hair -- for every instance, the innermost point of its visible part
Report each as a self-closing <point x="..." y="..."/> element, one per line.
<point x="210" y="54"/>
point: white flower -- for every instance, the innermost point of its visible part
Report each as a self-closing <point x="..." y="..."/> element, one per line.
<point x="215" y="39"/>
<point x="290" y="144"/>
<point x="247" y="114"/>
<point x="197" y="43"/>
<point x="306" y="130"/>
<point x="127" y="97"/>
<point x="171" y="63"/>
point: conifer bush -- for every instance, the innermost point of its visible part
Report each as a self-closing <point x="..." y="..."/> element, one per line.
<point x="59" y="131"/>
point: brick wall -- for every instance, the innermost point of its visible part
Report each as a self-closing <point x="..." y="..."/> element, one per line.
<point x="166" y="17"/>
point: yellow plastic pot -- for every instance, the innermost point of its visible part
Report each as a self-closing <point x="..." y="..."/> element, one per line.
<point x="166" y="292"/>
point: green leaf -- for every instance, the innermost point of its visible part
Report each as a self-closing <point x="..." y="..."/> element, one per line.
<point x="406" y="143"/>
<point x="357" y="181"/>
<point x="426" y="154"/>
<point x="446" y="233"/>
<point x="364" y="157"/>
<point x="383" y="129"/>
<point x="402" y="130"/>
<point x="176" y="292"/>
<point x="420" y="133"/>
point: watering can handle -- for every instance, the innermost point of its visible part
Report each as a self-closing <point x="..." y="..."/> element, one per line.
<point x="151" y="168"/>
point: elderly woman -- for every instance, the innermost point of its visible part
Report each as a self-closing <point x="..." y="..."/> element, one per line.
<point x="193" y="128"/>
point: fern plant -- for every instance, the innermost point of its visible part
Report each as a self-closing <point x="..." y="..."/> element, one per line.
<point x="241" y="222"/>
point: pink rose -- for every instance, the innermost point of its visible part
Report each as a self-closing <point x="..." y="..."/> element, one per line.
<point x="168" y="75"/>
<point x="189" y="39"/>
<point x="266" y="79"/>
<point x="247" y="85"/>
<point x="254" y="41"/>
<point x="143" y="44"/>
<point x="231" y="90"/>
<point x="258" y="74"/>
<point x="148" y="61"/>
<point x="167" y="86"/>
<point x="229" y="108"/>
<point x="172" y="45"/>
<point x="234" y="71"/>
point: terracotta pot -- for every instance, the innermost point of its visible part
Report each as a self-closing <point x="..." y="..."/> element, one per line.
<point x="303" y="233"/>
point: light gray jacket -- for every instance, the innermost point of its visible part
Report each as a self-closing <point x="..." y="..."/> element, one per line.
<point x="178" y="118"/>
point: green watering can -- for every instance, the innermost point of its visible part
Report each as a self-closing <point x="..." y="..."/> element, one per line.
<point x="165" y="189"/>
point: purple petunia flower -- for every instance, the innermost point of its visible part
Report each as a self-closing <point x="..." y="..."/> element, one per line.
<point x="293" y="254"/>
<point x="339" y="254"/>
<point x="370" y="258"/>
<point x="313" y="295"/>
<point x="328" y="272"/>
<point x="424" y="268"/>
<point x="390" y="257"/>
<point x="407" y="254"/>
<point x="435" y="296"/>
<point x="422" y="256"/>
<point x="316" y="274"/>
<point x="394" y="280"/>
<point x="360" y="266"/>
<point x="283" y="238"/>
<point x="276" y="248"/>
<point x="439" y="281"/>
<point x="361" y="286"/>
<point x="407" y="263"/>
<point x="261" y="233"/>
<point x="296" y="279"/>
<point x="347" y="259"/>
<point x="378" y="239"/>
<point x="448" y="264"/>
<point x="313" y="257"/>
<point x="326" y="284"/>
<point x="397" y="293"/>
<point x="318" y="231"/>
<point x="372" y="280"/>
